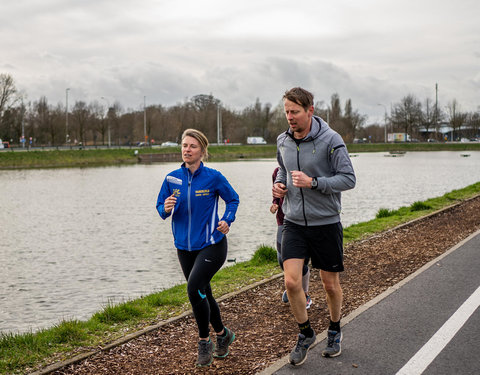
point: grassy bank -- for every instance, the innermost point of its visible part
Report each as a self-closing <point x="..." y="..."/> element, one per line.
<point x="18" y="352"/>
<point x="102" y="157"/>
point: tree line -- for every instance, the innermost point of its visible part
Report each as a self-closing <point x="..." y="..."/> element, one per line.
<point x="103" y="123"/>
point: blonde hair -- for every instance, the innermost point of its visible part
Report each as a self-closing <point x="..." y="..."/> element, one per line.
<point x="200" y="137"/>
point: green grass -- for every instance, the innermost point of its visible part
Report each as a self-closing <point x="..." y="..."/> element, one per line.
<point x="386" y="219"/>
<point x="19" y="352"/>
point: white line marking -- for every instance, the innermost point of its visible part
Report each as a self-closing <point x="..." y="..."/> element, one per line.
<point x="420" y="361"/>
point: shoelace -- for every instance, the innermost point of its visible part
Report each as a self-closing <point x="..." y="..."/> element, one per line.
<point x="331" y="340"/>
<point x="203" y="349"/>
<point x="300" y="342"/>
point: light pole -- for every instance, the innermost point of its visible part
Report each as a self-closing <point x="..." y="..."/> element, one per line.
<point x="66" y="115"/>
<point x="145" y="120"/>
<point x="385" y="121"/>
<point x="219" y="123"/>
<point x="108" y="122"/>
<point x="23" y="125"/>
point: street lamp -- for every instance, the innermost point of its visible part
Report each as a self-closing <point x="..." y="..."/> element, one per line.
<point x="144" y="120"/>
<point x="66" y="115"/>
<point x="385" y="121"/>
<point x="108" y="122"/>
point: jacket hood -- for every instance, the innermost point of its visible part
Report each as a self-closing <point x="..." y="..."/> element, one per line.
<point x="318" y="128"/>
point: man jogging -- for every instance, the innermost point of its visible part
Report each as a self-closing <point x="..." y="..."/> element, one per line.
<point x="314" y="169"/>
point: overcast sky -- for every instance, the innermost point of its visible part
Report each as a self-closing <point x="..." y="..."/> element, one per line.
<point x="370" y="51"/>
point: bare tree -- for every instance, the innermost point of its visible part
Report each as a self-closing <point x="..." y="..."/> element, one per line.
<point x="8" y="97"/>
<point x="352" y="121"/>
<point x="407" y="115"/>
<point x="81" y="115"/>
<point x="456" y="118"/>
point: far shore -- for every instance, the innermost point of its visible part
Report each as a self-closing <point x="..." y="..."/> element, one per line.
<point x="94" y="156"/>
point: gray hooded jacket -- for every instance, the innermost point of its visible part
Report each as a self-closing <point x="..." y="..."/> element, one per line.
<point x="322" y="154"/>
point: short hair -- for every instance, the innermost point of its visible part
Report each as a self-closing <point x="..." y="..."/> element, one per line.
<point x="200" y="137"/>
<point x="300" y="96"/>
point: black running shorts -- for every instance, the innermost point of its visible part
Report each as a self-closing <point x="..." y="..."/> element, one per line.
<point x="323" y="244"/>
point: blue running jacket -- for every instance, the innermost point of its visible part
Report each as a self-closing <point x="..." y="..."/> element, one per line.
<point x="195" y="215"/>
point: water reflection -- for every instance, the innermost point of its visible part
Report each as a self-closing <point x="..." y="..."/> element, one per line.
<point x="74" y="239"/>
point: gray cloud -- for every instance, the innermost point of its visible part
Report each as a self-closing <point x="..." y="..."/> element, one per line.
<point x="371" y="52"/>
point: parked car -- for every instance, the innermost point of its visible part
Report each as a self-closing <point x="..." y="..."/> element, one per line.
<point x="256" y="141"/>
<point x="169" y="144"/>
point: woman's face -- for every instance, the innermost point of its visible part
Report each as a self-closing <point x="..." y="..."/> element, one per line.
<point x="191" y="151"/>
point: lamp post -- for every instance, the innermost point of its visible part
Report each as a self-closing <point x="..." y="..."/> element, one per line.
<point x="219" y="123"/>
<point x="385" y="121"/>
<point x="108" y="122"/>
<point x="144" y="120"/>
<point x="23" y="125"/>
<point x="66" y="115"/>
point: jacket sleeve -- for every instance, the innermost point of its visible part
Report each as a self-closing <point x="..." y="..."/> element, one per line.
<point x="281" y="174"/>
<point x="230" y="196"/>
<point x="343" y="177"/>
<point x="274" y="176"/>
<point x="162" y="195"/>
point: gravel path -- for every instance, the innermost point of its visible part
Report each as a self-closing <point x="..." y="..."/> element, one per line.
<point x="265" y="328"/>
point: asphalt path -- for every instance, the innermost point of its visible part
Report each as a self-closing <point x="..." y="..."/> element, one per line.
<point x="428" y="324"/>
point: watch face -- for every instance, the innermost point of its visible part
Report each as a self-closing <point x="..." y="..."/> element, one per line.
<point x="314" y="182"/>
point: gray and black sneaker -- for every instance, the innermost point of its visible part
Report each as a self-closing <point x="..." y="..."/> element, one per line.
<point x="334" y="344"/>
<point x="299" y="353"/>
<point x="205" y="353"/>
<point x="221" y="351"/>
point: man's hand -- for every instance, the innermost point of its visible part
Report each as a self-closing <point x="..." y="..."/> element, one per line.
<point x="223" y="227"/>
<point x="301" y="180"/>
<point x="279" y="190"/>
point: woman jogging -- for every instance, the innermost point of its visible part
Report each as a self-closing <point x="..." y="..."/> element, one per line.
<point x="190" y="195"/>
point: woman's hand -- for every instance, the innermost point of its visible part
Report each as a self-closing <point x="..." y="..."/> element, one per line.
<point x="169" y="203"/>
<point x="279" y="190"/>
<point x="273" y="208"/>
<point x="223" y="227"/>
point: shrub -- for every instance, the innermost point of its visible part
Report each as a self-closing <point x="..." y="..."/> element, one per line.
<point x="264" y="254"/>
<point x="384" y="212"/>
<point x="420" y="206"/>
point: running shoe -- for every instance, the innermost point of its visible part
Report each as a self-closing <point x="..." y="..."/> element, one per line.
<point x="285" y="297"/>
<point x="334" y="344"/>
<point x="309" y="301"/>
<point x="205" y="353"/>
<point x="299" y="353"/>
<point x="221" y="351"/>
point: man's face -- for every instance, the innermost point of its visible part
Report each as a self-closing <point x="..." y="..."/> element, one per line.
<point x="298" y="118"/>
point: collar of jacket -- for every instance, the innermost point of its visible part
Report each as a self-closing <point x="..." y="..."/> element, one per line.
<point x="314" y="130"/>
<point x="187" y="171"/>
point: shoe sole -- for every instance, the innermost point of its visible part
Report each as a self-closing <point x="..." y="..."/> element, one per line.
<point x="205" y="365"/>
<point x="326" y="355"/>
<point x="302" y="361"/>
<point x="228" y="351"/>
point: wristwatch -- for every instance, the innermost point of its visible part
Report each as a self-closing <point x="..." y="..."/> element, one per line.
<point x="314" y="183"/>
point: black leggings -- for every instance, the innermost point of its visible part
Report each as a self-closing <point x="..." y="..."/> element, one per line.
<point x="199" y="268"/>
